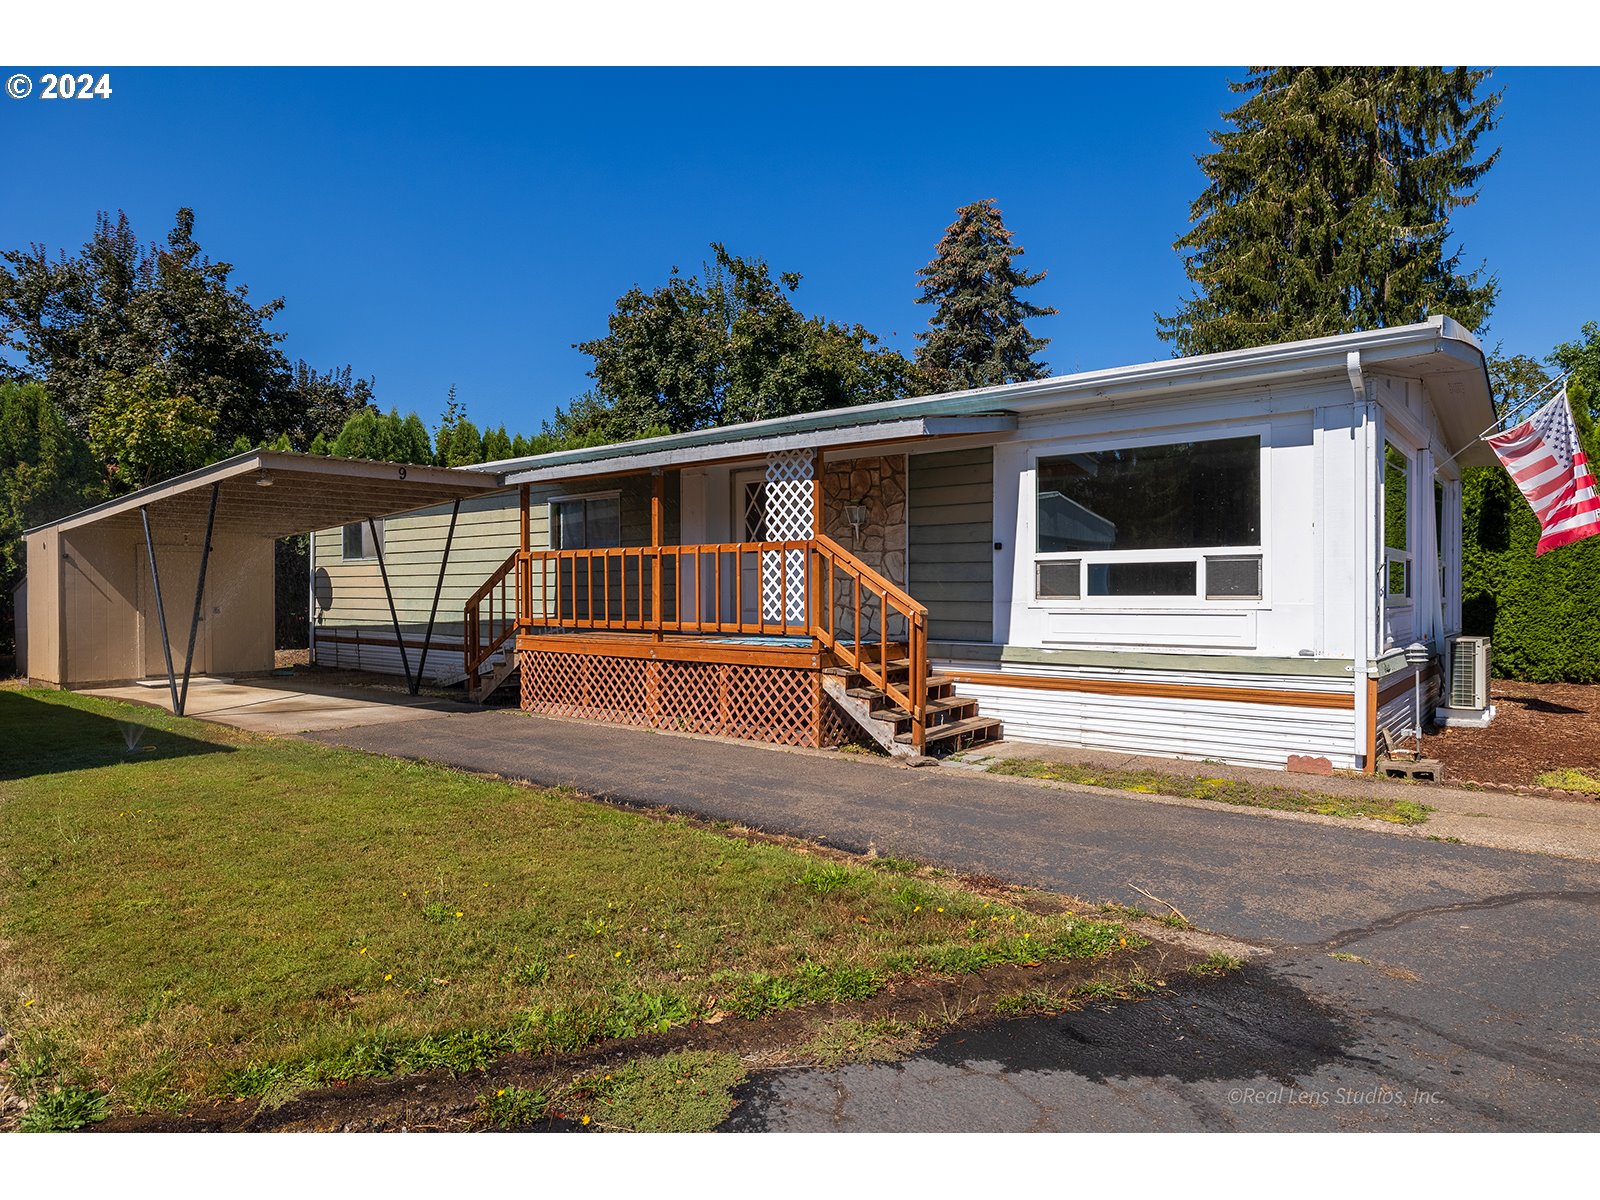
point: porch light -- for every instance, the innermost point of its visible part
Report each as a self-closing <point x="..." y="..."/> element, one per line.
<point x="1417" y="655"/>
<point x="856" y="514"/>
<point x="263" y="479"/>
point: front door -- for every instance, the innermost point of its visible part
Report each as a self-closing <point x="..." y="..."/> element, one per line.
<point x="750" y="525"/>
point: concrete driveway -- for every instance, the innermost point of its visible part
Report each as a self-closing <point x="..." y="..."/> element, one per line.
<point x="1408" y="984"/>
<point x="289" y="705"/>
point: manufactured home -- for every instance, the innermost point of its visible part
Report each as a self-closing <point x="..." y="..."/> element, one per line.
<point x="1220" y="557"/>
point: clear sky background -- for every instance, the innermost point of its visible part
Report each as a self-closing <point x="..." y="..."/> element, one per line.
<point x="467" y="226"/>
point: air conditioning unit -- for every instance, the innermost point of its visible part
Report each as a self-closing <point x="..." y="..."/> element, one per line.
<point x="1469" y="672"/>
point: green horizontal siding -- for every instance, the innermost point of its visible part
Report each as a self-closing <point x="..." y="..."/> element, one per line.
<point x="487" y="531"/>
<point x="950" y="531"/>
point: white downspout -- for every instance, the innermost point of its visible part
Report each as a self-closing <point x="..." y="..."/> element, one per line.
<point x="311" y="598"/>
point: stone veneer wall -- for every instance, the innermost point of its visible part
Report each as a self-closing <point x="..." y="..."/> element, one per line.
<point x="878" y="482"/>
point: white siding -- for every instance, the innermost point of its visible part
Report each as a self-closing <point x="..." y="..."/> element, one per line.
<point x="1250" y="734"/>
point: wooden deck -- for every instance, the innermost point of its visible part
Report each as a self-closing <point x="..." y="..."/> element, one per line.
<point x="803" y="653"/>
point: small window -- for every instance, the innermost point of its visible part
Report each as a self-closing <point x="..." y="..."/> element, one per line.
<point x="1233" y="577"/>
<point x="1060" y="579"/>
<point x="585" y="522"/>
<point x="1396" y="480"/>
<point x="1397" y="548"/>
<point x="358" y="543"/>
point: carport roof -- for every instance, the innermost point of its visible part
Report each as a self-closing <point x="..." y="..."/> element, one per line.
<point x="277" y="493"/>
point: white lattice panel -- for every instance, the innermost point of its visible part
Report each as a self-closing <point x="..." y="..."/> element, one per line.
<point x="790" y="516"/>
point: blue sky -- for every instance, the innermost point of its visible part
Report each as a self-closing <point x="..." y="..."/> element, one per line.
<point x="467" y="226"/>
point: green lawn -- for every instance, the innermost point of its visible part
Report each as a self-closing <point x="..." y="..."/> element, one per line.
<point x="209" y="913"/>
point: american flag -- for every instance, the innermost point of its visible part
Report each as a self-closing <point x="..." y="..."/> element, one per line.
<point x="1545" y="460"/>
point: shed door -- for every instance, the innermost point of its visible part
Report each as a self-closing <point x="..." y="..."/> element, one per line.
<point x="180" y="570"/>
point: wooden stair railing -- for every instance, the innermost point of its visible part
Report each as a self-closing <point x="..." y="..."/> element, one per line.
<point x="493" y="614"/>
<point x="873" y="657"/>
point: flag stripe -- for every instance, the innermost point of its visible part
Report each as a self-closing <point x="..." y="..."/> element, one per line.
<point x="1550" y="468"/>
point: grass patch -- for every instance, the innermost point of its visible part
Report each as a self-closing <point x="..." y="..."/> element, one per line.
<point x="687" y="1092"/>
<point x="193" y="913"/>
<point x="1225" y="791"/>
<point x="1570" y="779"/>
<point x="512" y="1108"/>
<point x="1216" y="963"/>
<point x="880" y="1039"/>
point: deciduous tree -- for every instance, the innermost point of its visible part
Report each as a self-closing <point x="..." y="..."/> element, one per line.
<point x="726" y="346"/>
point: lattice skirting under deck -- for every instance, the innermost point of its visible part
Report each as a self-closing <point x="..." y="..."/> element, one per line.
<point x="781" y="705"/>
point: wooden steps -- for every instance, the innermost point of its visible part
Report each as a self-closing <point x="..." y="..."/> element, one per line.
<point x="953" y="722"/>
<point x="980" y="729"/>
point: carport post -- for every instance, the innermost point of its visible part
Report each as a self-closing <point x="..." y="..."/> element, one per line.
<point x="161" y="612"/>
<point x="400" y="639"/>
<point x="427" y="638"/>
<point x="199" y="597"/>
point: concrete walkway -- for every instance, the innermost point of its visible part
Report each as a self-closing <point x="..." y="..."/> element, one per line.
<point x="285" y="705"/>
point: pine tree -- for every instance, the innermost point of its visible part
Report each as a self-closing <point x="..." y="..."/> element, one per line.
<point x="1328" y="204"/>
<point x="978" y="335"/>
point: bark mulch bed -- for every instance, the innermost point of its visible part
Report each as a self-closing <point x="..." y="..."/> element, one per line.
<point x="1538" y="727"/>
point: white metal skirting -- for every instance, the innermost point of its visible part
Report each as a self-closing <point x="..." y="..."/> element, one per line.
<point x="376" y="651"/>
<point x="1398" y="714"/>
<point x="1248" y="734"/>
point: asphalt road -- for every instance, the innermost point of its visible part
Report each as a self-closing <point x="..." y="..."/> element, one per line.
<point x="1474" y="1008"/>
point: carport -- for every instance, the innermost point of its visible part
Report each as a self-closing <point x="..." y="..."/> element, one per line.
<point x="177" y="578"/>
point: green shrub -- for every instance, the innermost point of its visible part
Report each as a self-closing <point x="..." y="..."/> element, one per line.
<point x="1543" y="613"/>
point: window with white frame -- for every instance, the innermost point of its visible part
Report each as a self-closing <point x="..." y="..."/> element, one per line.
<point x="585" y="522"/>
<point x="1180" y="519"/>
<point x="358" y="545"/>
<point x="1397" y="536"/>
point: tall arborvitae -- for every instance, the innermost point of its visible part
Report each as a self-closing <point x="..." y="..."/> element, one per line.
<point x="978" y="335"/>
<point x="1328" y="205"/>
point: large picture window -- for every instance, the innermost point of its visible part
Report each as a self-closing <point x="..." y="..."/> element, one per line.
<point x="1177" y="519"/>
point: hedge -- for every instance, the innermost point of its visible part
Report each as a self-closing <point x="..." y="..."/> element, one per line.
<point x="1543" y="613"/>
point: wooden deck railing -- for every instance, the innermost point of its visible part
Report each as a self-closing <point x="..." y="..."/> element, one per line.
<point x="803" y="588"/>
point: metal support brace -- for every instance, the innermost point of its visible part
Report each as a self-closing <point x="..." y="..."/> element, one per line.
<point x="199" y="599"/>
<point x="161" y="612"/>
<point x="438" y="588"/>
<point x="400" y="640"/>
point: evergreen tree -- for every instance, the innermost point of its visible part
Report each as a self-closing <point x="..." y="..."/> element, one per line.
<point x="457" y="442"/>
<point x="979" y="335"/>
<point x="385" y="437"/>
<point x="497" y="445"/>
<point x="1328" y="203"/>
